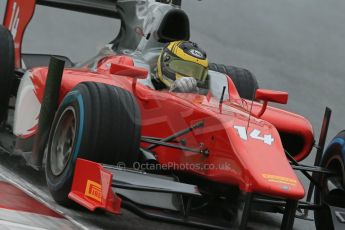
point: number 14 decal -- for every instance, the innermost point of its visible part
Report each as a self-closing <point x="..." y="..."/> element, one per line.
<point x="255" y="134"/>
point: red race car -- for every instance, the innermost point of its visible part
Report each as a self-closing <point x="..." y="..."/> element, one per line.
<point x="106" y="138"/>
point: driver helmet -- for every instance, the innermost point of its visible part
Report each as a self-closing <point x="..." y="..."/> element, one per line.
<point x="182" y="59"/>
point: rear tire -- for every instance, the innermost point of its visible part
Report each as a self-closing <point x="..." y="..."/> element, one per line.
<point x="6" y="69"/>
<point x="333" y="159"/>
<point x="97" y="122"/>
<point x="245" y="82"/>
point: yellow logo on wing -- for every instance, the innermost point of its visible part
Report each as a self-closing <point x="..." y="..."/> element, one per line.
<point x="279" y="179"/>
<point x="93" y="190"/>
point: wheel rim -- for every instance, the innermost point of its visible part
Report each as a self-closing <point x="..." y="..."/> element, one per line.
<point x="63" y="141"/>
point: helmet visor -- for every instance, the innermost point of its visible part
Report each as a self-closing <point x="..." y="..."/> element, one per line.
<point x="189" y="69"/>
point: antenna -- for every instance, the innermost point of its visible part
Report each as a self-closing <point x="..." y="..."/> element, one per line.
<point x="222" y="99"/>
<point x="251" y="108"/>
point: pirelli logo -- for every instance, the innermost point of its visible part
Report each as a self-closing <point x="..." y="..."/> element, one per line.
<point x="93" y="190"/>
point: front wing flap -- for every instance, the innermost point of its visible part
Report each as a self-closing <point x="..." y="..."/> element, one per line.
<point x="91" y="187"/>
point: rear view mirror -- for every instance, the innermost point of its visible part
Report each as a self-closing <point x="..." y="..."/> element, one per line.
<point x="270" y="96"/>
<point x="128" y="71"/>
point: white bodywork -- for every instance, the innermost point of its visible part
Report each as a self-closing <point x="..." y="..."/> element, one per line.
<point x="27" y="108"/>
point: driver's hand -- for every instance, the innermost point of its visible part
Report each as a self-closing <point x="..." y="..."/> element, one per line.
<point x="184" y="85"/>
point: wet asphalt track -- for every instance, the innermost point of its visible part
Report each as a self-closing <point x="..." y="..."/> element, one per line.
<point x="295" y="46"/>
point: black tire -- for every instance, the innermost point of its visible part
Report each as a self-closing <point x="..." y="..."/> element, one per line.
<point x="245" y="82"/>
<point x="6" y="69"/>
<point x="106" y="130"/>
<point x="333" y="159"/>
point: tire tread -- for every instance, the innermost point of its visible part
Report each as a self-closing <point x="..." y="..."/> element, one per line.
<point x="245" y="82"/>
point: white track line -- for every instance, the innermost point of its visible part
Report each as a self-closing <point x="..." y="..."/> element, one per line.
<point x="35" y="193"/>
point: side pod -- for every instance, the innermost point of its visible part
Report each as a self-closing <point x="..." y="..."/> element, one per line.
<point x="92" y="189"/>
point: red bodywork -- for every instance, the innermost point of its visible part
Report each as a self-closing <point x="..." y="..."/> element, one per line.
<point x="236" y="158"/>
<point x="17" y="17"/>
<point x="91" y="188"/>
<point x="251" y="164"/>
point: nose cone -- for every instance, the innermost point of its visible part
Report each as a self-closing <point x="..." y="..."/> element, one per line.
<point x="260" y="151"/>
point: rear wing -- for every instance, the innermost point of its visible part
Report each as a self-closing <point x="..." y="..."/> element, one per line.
<point x="19" y="13"/>
<point x="17" y="16"/>
<point x="105" y="8"/>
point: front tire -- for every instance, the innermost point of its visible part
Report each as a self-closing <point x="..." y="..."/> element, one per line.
<point x="97" y="122"/>
<point x="334" y="160"/>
